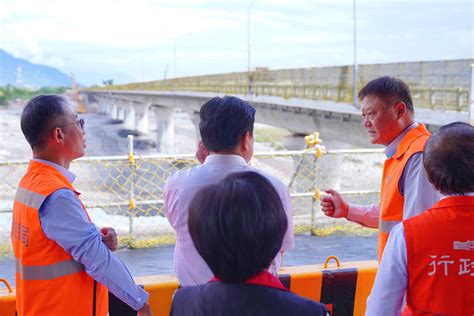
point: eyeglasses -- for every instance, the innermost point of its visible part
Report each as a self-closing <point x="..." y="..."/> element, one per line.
<point x="80" y="122"/>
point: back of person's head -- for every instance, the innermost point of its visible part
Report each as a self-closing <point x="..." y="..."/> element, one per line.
<point x="224" y="121"/>
<point x="390" y="89"/>
<point x="448" y="158"/>
<point x="238" y="225"/>
<point x="39" y="117"/>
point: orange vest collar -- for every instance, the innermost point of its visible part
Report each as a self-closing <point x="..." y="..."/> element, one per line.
<point x="39" y="167"/>
<point x="455" y="200"/>
<point x="409" y="138"/>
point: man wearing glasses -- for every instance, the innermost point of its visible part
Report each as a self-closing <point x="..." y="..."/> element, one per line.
<point x="389" y="118"/>
<point x="64" y="264"/>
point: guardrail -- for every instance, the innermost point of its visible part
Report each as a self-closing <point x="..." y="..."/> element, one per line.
<point x="438" y="85"/>
<point x="126" y="191"/>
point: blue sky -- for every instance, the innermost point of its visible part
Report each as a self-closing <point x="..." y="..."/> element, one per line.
<point x="129" y="40"/>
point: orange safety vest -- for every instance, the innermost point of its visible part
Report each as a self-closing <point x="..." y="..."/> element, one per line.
<point x="440" y="259"/>
<point x="391" y="200"/>
<point x="49" y="281"/>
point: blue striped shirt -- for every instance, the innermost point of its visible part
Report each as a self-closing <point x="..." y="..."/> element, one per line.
<point x="63" y="220"/>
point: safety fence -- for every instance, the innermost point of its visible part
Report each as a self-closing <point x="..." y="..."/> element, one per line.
<point x="126" y="192"/>
<point x="439" y="85"/>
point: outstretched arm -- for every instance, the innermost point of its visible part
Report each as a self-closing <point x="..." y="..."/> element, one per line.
<point x="334" y="205"/>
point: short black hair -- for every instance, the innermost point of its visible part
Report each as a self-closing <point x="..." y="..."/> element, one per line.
<point x="448" y="158"/>
<point x="224" y="121"/>
<point x="39" y="116"/>
<point x="238" y="225"/>
<point x="390" y="89"/>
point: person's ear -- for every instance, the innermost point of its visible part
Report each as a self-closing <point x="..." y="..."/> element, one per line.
<point x="245" y="141"/>
<point x="57" y="135"/>
<point x="400" y="109"/>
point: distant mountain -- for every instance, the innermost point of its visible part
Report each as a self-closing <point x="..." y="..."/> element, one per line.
<point x="32" y="75"/>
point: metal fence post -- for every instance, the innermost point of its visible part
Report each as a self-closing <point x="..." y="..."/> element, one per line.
<point x="313" y="141"/>
<point x="314" y="201"/>
<point x="132" y="204"/>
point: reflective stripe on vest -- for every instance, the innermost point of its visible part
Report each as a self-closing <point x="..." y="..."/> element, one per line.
<point x="29" y="198"/>
<point x="48" y="272"/>
<point x="386" y="226"/>
<point x="42" y="264"/>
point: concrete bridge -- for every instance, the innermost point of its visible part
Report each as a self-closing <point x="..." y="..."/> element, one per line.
<point x="323" y="107"/>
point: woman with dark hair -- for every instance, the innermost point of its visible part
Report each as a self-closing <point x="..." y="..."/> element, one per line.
<point x="237" y="227"/>
<point x="430" y="257"/>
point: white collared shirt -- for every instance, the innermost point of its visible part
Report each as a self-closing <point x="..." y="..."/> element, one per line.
<point x="71" y="177"/>
<point x="179" y="191"/>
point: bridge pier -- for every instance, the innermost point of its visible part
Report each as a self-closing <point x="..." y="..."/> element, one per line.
<point x="141" y="117"/>
<point x="106" y="105"/>
<point x="164" y="129"/>
<point x="129" y="120"/>
<point x="121" y="113"/>
<point x="142" y="123"/>
<point x="102" y="108"/>
<point x="113" y="111"/>
<point x="102" y="105"/>
<point x="195" y="118"/>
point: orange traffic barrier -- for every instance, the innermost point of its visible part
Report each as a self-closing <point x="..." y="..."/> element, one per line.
<point x="344" y="288"/>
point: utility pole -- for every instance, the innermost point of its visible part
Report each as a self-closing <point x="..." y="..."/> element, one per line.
<point x="175" y="58"/>
<point x="356" y="103"/>
<point x="249" y="78"/>
<point x="166" y="72"/>
<point x="176" y="54"/>
<point x="471" y="97"/>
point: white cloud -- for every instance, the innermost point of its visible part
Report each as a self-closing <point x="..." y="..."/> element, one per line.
<point x="211" y="35"/>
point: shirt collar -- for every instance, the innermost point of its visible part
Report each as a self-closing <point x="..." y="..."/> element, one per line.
<point x="216" y="159"/>
<point x="449" y="195"/>
<point x="392" y="147"/>
<point x="264" y="278"/>
<point x="68" y="174"/>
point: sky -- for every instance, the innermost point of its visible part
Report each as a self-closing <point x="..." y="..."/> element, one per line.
<point x="145" y="40"/>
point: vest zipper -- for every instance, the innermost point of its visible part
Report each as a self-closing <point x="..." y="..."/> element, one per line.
<point x="94" y="298"/>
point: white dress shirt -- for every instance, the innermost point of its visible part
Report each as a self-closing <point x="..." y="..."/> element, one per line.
<point x="179" y="191"/>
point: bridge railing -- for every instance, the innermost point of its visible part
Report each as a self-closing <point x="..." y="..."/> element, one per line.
<point x="439" y="85"/>
<point x="127" y="192"/>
